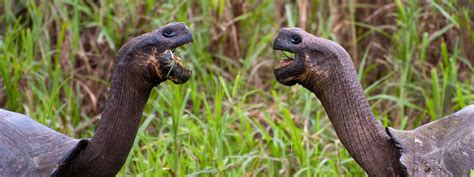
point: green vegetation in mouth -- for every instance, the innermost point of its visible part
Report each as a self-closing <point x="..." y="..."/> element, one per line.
<point x="287" y="55"/>
<point x="172" y="66"/>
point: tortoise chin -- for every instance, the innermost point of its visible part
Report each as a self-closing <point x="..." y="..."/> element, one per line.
<point x="179" y="74"/>
<point x="289" y="70"/>
<point x="284" y="79"/>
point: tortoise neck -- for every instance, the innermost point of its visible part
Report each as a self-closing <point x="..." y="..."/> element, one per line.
<point x="349" y="112"/>
<point x="108" y="149"/>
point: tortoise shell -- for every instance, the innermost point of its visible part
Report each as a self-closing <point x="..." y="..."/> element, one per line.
<point x="29" y="148"/>
<point x="441" y="148"/>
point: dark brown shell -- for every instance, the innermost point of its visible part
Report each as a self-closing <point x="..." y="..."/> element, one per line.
<point x="28" y="148"/>
<point x="441" y="148"/>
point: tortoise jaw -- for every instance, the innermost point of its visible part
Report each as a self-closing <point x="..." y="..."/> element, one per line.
<point x="173" y="68"/>
<point x="178" y="73"/>
<point x="286" y="61"/>
<point x="287" y="72"/>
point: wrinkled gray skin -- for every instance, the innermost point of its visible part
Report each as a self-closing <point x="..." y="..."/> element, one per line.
<point x="441" y="148"/>
<point x="28" y="148"/>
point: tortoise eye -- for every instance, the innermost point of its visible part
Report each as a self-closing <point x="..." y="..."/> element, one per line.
<point x="295" y="39"/>
<point x="169" y="33"/>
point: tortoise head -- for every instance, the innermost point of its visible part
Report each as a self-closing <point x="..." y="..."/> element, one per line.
<point x="313" y="58"/>
<point x="152" y="54"/>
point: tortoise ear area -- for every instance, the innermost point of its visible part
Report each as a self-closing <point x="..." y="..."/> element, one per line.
<point x="148" y="54"/>
<point x="151" y="41"/>
<point x="141" y="44"/>
<point x="160" y="63"/>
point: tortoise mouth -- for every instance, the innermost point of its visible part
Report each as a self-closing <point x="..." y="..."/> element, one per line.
<point x="289" y="68"/>
<point x="178" y="72"/>
<point x="173" y="67"/>
<point x="287" y="61"/>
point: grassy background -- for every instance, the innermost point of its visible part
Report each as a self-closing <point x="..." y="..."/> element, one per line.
<point x="232" y="118"/>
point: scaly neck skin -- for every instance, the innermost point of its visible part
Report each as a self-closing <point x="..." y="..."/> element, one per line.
<point x="349" y="112"/>
<point x="108" y="149"/>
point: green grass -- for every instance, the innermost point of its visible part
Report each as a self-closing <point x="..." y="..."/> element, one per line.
<point x="232" y="118"/>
